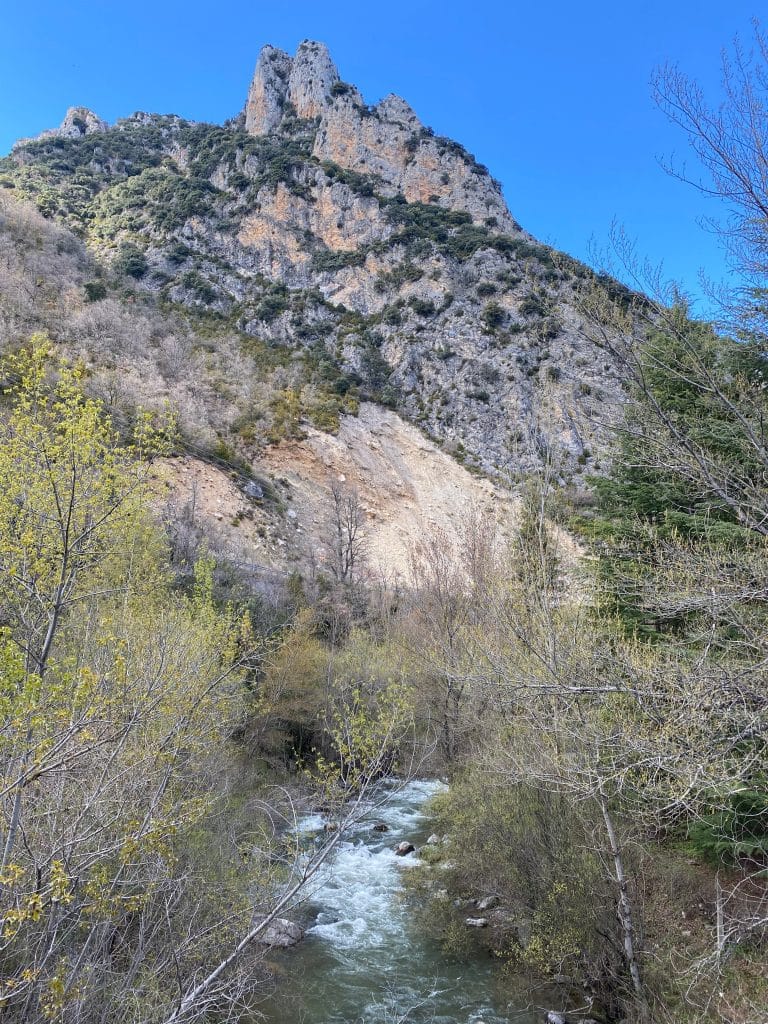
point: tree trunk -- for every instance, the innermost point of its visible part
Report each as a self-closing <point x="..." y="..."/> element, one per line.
<point x="624" y="912"/>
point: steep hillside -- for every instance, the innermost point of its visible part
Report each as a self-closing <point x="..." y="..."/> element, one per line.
<point x="264" y="512"/>
<point x="408" y="492"/>
<point x="367" y="259"/>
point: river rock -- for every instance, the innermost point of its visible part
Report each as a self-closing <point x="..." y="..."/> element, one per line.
<point x="477" y="922"/>
<point x="402" y="849"/>
<point x="282" y="933"/>
<point x="553" y="1017"/>
<point x="433" y="840"/>
<point x="381" y="827"/>
<point x="488" y="903"/>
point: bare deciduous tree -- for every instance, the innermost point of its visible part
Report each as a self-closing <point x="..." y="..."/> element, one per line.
<point x="345" y="541"/>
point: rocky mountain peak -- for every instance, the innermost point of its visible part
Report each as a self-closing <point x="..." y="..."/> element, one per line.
<point x="312" y="79"/>
<point x="387" y="140"/>
<point x="78" y="121"/>
<point x="305" y="82"/>
<point x="267" y="95"/>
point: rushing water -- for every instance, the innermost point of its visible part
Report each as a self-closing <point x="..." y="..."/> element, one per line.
<point x="363" y="961"/>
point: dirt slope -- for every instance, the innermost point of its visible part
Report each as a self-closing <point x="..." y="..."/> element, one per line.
<point x="408" y="488"/>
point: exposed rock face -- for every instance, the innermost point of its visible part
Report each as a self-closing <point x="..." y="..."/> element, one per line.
<point x="407" y="487"/>
<point x="267" y="95"/>
<point x="78" y="121"/>
<point x="312" y="79"/>
<point x="390" y="142"/>
<point x="306" y="82"/>
<point x="381" y="260"/>
<point x="387" y="140"/>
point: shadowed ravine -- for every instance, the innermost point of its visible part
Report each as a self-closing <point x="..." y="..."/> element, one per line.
<point x="363" y="960"/>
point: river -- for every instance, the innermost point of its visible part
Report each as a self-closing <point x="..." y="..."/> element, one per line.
<point x="363" y="960"/>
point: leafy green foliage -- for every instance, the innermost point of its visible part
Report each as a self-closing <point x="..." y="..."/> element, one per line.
<point x="130" y="261"/>
<point x="331" y="259"/>
<point x="113" y="694"/>
<point x="362" y="184"/>
<point x="158" y="200"/>
<point x="736" y="831"/>
<point x="681" y="377"/>
<point x="523" y="846"/>
<point x="422" y="307"/>
<point x="95" y="290"/>
<point x="494" y="316"/>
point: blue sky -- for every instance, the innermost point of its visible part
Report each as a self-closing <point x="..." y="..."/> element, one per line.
<point x="553" y="97"/>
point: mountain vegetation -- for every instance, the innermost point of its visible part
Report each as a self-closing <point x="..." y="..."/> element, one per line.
<point x="181" y="298"/>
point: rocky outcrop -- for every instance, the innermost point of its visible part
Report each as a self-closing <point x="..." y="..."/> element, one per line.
<point x="302" y="86"/>
<point x="267" y="95"/>
<point x="78" y="121"/>
<point x="312" y="78"/>
<point x="387" y="140"/>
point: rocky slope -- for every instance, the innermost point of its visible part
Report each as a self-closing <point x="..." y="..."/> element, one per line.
<point x="367" y="257"/>
<point x="409" y="493"/>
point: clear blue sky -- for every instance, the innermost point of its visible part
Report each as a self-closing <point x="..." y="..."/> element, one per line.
<point x="553" y="97"/>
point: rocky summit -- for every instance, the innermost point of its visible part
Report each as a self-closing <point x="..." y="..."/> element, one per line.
<point x="374" y="259"/>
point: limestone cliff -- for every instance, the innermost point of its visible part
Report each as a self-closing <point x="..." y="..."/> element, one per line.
<point x="371" y="260"/>
<point x="386" y="140"/>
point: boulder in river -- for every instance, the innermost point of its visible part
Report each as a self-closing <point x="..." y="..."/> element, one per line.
<point x="477" y="922"/>
<point x="381" y="827"/>
<point x="433" y="840"/>
<point x="281" y="932"/>
<point x="404" y="848"/>
<point x="553" y="1017"/>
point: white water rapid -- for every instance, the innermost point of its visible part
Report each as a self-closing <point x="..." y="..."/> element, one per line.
<point x="363" y="961"/>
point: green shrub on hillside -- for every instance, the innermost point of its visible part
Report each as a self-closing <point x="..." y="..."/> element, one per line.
<point x="130" y="261"/>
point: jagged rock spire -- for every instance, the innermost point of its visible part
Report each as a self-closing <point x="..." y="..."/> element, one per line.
<point x="268" y="92"/>
<point x="312" y="78"/>
<point x="387" y="140"/>
<point x="80" y="121"/>
<point x="306" y="81"/>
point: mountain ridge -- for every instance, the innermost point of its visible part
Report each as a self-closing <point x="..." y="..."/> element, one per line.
<point x="376" y="261"/>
